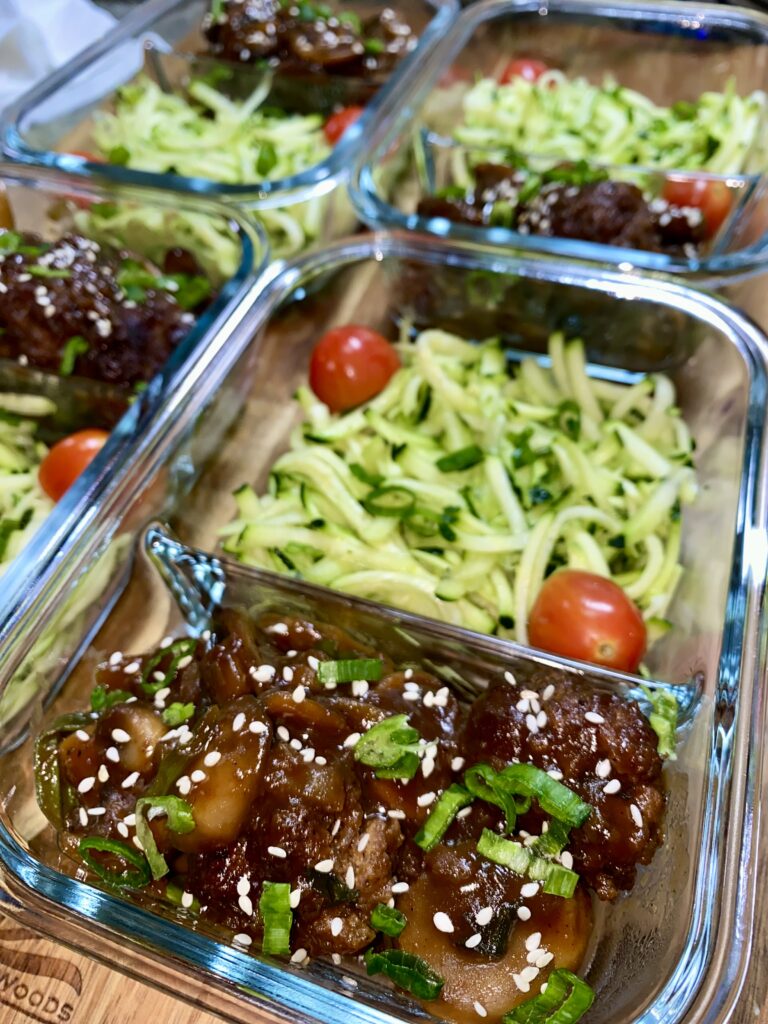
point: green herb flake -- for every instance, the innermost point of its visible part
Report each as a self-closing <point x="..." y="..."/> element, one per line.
<point x="74" y="347"/>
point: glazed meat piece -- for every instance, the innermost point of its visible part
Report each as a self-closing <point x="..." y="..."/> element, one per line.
<point x="310" y="37"/>
<point x="68" y="307"/>
<point x="287" y="754"/>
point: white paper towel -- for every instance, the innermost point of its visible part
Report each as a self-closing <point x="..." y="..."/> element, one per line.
<point x="37" y="36"/>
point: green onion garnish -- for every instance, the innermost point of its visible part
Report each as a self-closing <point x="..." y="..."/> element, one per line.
<point x="9" y="241"/>
<point x="565" y="1000"/>
<point x="526" y="780"/>
<point x="276" y="913"/>
<point x="387" y="920"/>
<point x="551" y="842"/>
<point x="406" y="970"/>
<point x="135" y="872"/>
<point x="391" y="747"/>
<point x="177" y="713"/>
<point x="485" y="783"/>
<point x="37" y="271"/>
<point x="555" y="879"/>
<point x="75" y="346"/>
<point x="389" y="501"/>
<point x="374" y="46"/>
<point x="48" y="788"/>
<point x="102" y="699"/>
<point x="348" y="670"/>
<point x="663" y="719"/>
<point x="177" y="650"/>
<point x="180" y="820"/>
<point x="464" y="458"/>
<point x="441" y="816"/>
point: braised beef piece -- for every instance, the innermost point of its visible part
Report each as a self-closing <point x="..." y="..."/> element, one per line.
<point x="53" y="293"/>
<point x="306" y="37"/>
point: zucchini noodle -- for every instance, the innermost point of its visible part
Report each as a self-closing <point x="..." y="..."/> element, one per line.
<point x="204" y="134"/>
<point x="461" y="486"/>
<point x="571" y="119"/>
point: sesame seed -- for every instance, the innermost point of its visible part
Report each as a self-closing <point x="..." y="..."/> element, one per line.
<point x="469" y="887"/>
<point x="336" y="827"/>
<point x="442" y="922"/>
<point x="116" y="658"/>
<point x="427" y="766"/>
<point x="535" y="706"/>
<point x="130" y="780"/>
<point x="87" y="784"/>
<point x="548" y="692"/>
<point x="532" y="724"/>
<point x="132" y="668"/>
<point x="480" y="1010"/>
<point x="411" y="695"/>
<point x="400" y="887"/>
<point x="245" y="904"/>
<point x="336" y="925"/>
<point x="130" y="820"/>
<point x="474" y="940"/>
<point x="321" y="761"/>
<point x="457" y="764"/>
<point x="566" y="859"/>
<point x="324" y="866"/>
<point x="510" y="678"/>
<point x="278" y="627"/>
<point x="291" y="654"/>
<point x="162" y="693"/>
<point x="82" y="735"/>
<point x="103" y="774"/>
<point x="165" y="642"/>
<point x="288" y="674"/>
<point x="183" y="785"/>
<point x="426" y="799"/>
<point x="238" y="722"/>
<point x="349" y="981"/>
<point x="283" y="733"/>
<point x="464" y="812"/>
<point x="352" y="739"/>
<point x="242" y="939"/>
<point x="349" y="877"/>
<point x="258" y="727"/>
<point x="529" y="889"/>
<point x="603" y="768"/>
<point x="523" y="705"/>
<point x="533" y="941"/>
<point x="83" y="815"/>
<point x="138" y="843"/>
<point x="360" y="688"/>
<point x="541" y="719"/>
<point x="362" y="842"/>
<point x="555" y="774"/>
<point x="312" y="662"/>
<point x="396" y="814"/>
<point x="307" y="755"/>
<point x="594" y="718"/>
<point x="408" y="674"/>
<point x="277" y="851"/>
<point x="198" y="775"/>
<point x="543" y="957"/>
<point x="243" y="886"/>
<point x="529" y="973"/>
<point x="612" y="787"/>
<point x="120" y="736"/>
<point x="295" y="898"/>
<point x="520" y="983"/>
<point x="212" y="758"/>
<point x="300" y="954"/>
<point x="637" y="817"/>
<point x="529" y="694"/>
<point x="187" y="899"/>
<point x="262" y="674"/>
<point x="524" y="913"/>
<point x="299" y="694"/>
<point x="122" y="828"/>
<point x="484" y="916"/>
<point x="336" y="958"/>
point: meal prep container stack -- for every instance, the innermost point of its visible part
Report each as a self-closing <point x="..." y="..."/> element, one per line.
<point x="50" y="204"/>
<point x="677" y="947"/>
<point x="164" y="39"/>
<point x="669" y="52"/>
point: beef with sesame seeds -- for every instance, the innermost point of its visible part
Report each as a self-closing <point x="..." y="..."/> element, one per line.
<point x="74" y="307"/>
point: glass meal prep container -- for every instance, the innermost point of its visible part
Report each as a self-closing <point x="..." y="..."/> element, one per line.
<point x="414" y="165"/>
<point x="49" y="205"/>
<point x="678" y="946"/>
<point x="299" y="201"/>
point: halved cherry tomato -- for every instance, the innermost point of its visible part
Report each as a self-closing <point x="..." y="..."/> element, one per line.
<point x="338" y="123"/>
<point x="523" y="67"/>
<point x="67" y="459"/>
<point x="588" y="617"/>
<point x="87" y="155"/>
<point x="709" y="195"/>
<point x="350" y="365"/>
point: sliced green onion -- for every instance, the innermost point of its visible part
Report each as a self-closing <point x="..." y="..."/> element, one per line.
<point x="407" y="971"/>
<point x="464" y="458"/>
<point x="391" y="747"/>
<point x="389" y="501"/>
<point x="75" y="346"/>
<point x="103" y="698"/>
<point x="663" y="719"/>
<point x="553" y="841"/>
<point x="180" y="820"/>
<point x="276" y="913"/>
<point x="484" y="782"/>
<point x="177" y="713"/>
<point x="553" y="797"/>
<point x="134" y="875"/>
<point x="564" y="1001"/>
<point x="348" y="670"/>
<point x="555" y="879"/>
<point x="177" y="650"/>
<point x="441" y="816"/>
<point x="37" y="271"/>
<point x="387" y="920"/>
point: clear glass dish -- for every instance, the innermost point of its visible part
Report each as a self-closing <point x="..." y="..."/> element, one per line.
<point x="161" y="37"/>
<point x="659" y="48"/>
<point x="50" y="203"/>
<point x="679" y="946"/>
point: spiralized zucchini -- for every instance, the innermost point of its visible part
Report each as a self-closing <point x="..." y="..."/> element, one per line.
<point x="205" y="134"/>
<point x="571" y="119"/>
<point x="461" y="486"/>
<point x="23" y="503"/>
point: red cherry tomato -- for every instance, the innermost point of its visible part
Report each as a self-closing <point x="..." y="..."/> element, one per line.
<point x="87" y="155"/>
<point x="580" y="615"/>
<point x="350" y="365"/>
<point x="338" y="123"/>
<point x="523" y="67"/>
<point x="68" y="459"/>
<point x="710" y="196"/>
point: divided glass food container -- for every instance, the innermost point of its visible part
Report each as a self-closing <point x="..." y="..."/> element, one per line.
<point x="670" y="52"/>
<point x="52" y="123"/>
<point x="50" y="203"/>
<point x="677" y="947"/>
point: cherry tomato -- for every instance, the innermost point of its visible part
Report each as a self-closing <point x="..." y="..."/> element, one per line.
<point x="350" y="365"/>
<point x="580" y="615"/>
<point x="67" y="459"/>
<point x="338" y="123"/>
<point x="523" y="67"/>
<point x="710" y="196"/>
<point x="87" y="155"/>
